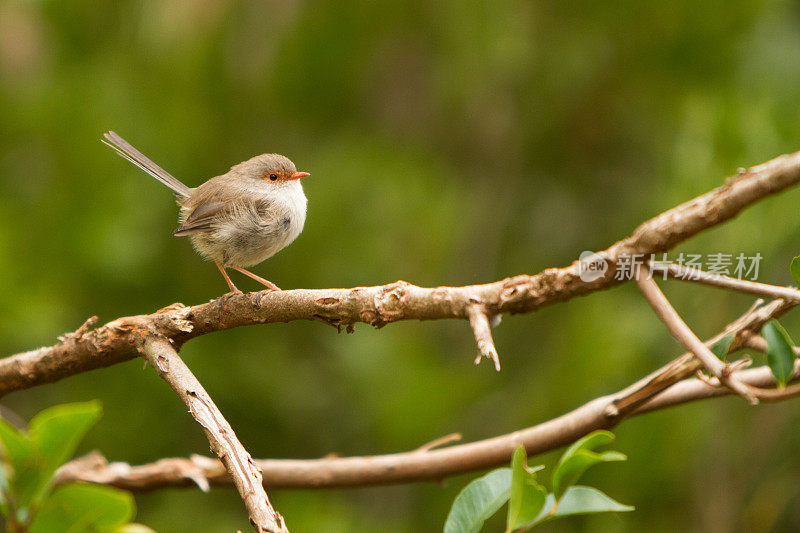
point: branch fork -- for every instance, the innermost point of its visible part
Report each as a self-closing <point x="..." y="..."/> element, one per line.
<point x="724" y="374"/>
<point x="159" y="335"/>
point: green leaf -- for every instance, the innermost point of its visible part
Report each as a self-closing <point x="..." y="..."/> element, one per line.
<point x="54" y="435"/>
<point x="593" y="440"/>
<point x="57" y="431"/>
<point x="579" y="457"/>
<point x="794" y="269"/>
<point x="5" y="475"/>
<point x="16" y="444"/>
<point x="720" y="348"/>
<point x="527" y="495"/>
<point x="478" y="501"/>
<point x="533" y="500"/>
<point x="29" y="484"/>
<point x="22" y="474"/>
<point x="518" y="477"/>
<point x="79" y="507"/>
<point x="780" y="355"/>
<point x="568" y="472"/>
<point x="579" y="500"/>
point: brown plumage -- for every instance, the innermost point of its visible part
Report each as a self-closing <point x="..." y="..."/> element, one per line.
<point x="240" y="218"/>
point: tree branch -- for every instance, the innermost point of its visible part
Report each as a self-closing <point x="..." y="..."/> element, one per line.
<point x="423" y="464"/>
<point x="239" y="464"/>
<point x="663" y="388"/>
<point x="115" y="342"/>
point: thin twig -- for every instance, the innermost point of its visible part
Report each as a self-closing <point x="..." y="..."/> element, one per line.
<point x="439" y="442"/>
<point x="686" y="336"/>
<point x="683" y="273"/>
<point x="224" y="443"/>
<point x="759" y="344"/>
<point x="694" y="389"/>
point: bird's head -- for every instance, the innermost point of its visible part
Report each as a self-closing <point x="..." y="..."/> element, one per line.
<point x="270" y="168"/>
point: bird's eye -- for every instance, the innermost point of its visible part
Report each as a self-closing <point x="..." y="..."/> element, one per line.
<point x="273" y="177"/>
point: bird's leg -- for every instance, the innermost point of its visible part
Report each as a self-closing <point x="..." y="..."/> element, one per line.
<point x="257" y="278"/>
<point x="228" y="279"/>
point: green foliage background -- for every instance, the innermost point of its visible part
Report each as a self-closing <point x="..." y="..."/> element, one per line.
<point x="449" y="143"/>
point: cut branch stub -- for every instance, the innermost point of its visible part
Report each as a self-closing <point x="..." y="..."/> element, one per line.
<point x="479" y="320"/>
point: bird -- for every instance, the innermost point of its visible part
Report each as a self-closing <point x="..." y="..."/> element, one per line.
<point x="237" y="219"/>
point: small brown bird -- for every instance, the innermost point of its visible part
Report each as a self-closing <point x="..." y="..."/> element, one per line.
<point x="240" y="218"/>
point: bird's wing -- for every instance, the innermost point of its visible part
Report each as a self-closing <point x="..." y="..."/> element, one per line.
<point x="202" y="218"/>
<point x="209" y="211"/>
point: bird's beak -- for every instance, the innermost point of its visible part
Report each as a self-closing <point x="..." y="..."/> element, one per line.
<point x="298" y="175"/>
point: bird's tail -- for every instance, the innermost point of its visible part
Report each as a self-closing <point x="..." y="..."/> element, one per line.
<point x="123" y="148"/>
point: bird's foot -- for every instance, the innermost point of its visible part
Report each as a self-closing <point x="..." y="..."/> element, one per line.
<point x="271" y="286"/>
<point x="231" y="286"/>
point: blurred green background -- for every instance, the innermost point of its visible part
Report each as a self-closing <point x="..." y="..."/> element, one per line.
<point x="449" y="143"/>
